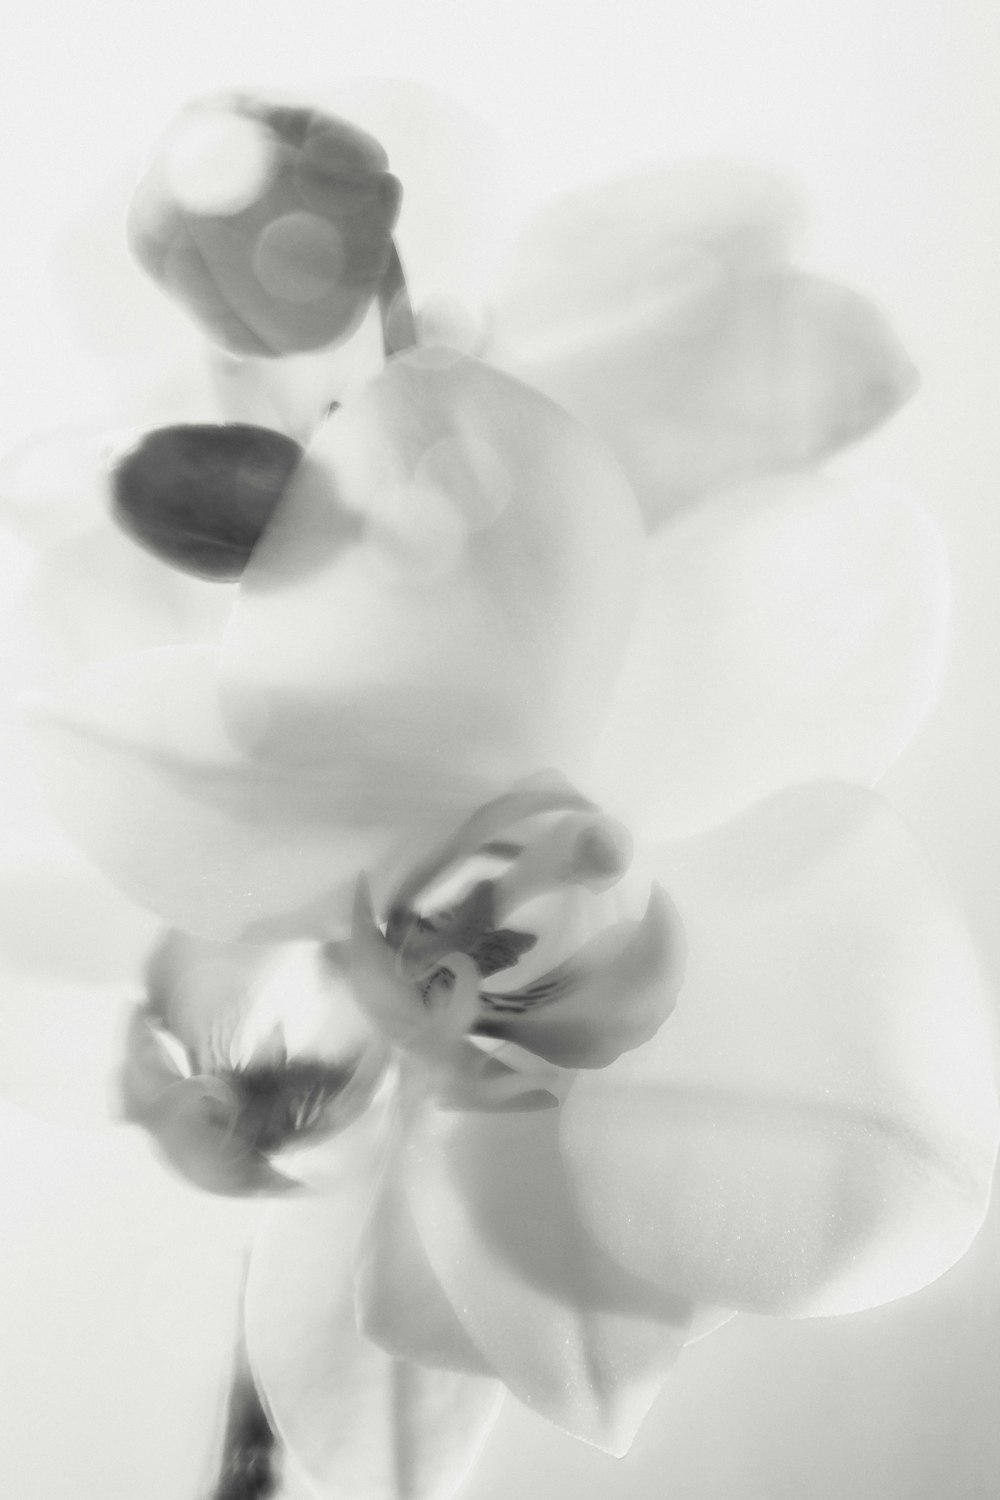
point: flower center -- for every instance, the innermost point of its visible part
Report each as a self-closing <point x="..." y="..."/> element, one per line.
<point x="226" y="1079"/>
<point x="515" y="932"/>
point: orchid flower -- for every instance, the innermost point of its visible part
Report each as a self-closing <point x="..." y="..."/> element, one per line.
<point x="634" y="1006"/>
<point x="664" y="311"/>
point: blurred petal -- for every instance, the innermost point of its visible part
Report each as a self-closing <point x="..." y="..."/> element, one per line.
<point x="356" y="1420"/>
<point x="101" y="595"/>
<point x="600" y="252"/>
<point x="699" y="361"/>
<point x="112" y="307"/>
<point x="454" y="551"/>
<point x="788" y="632"/>
<point x="53" y="484"/>
<point x="139" y="769"/>
<point x="571" y="1334"/>
<point x="231" y="1004"/>
<point x="241" y="1053"/>
<point x="814" y="1130"/>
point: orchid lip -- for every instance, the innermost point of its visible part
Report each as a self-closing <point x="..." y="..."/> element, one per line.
<point x="451" y="928"/>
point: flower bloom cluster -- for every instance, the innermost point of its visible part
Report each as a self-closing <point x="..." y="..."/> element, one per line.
<point x="535" y="937"/>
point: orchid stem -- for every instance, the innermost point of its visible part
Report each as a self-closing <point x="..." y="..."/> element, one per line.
<point x="399" y="329"/>
<point x="246" y="1470"/>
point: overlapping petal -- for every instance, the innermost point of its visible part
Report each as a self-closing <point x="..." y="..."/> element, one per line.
<point x="657" y="311"/>
<point x="597" y="251"/>
<point x="356" y="1420"/>
<point x="568" y="1331"/>
<point x="142" y="774"/>
<point x="789" y="631"/>
<point x="455" y="553"/>
<point x="814" y="1131"/>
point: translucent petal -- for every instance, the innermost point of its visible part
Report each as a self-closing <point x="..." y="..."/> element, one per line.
<point x="356" y="1420"/>
<point x="101" y="595"/>
<point x="596" y="253"/>
<point x="653" y="310"/>
<point x="571" y="1334"/>
<point x="454" y="550"/>
<point x="814" y="1129"/>
<point x="53" y="484"/>
<point x="232" y="1004"/>
<point x="400" y="1302"/>
<point x="790" y="631"/>
<point x="139" y="769"/>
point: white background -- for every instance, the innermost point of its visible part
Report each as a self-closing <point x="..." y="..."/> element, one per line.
<point x="885" y="113"/>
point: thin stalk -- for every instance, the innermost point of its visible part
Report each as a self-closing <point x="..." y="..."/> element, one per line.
<point x="247" y="1470"/>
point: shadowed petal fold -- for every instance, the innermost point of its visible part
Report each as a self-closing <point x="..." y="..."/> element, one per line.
<point x="701" y="360"/>
<point x="140" y="770"/>
<point x="814" y="1130"/>
<point x="568" y="1331"/>
<point x="356" y="1420"/>
<point x="455" y="554"/>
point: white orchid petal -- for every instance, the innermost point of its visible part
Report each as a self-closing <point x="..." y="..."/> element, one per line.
<point x="790" y="631"/>
<point x="100" y="595"/>
<point x="596" y="253"/>
<point x="455" y="554"/>
<point x="814" y="1129"/>
<point x="356" y="1420"/>
<point x="654" y="310"/>
<point x="400" y="1302"/>
<point x="567" y="1331"/>
<point x="140" y="770"/>
<point x="53" y="484"/>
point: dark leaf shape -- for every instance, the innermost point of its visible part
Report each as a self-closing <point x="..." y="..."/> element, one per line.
<point x="200" y="496"/>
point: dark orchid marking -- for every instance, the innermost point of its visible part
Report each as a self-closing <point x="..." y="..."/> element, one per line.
<point x="200" y="497"/>
<point x="468" y="927"/>
<point x="218" y="1118"/>
<point x="447" y="932"/>
<point x="247" y="1470"/>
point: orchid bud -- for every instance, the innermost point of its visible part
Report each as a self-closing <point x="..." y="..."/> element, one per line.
<point x="271" y="224"/>
<point x="200" y="496"/>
